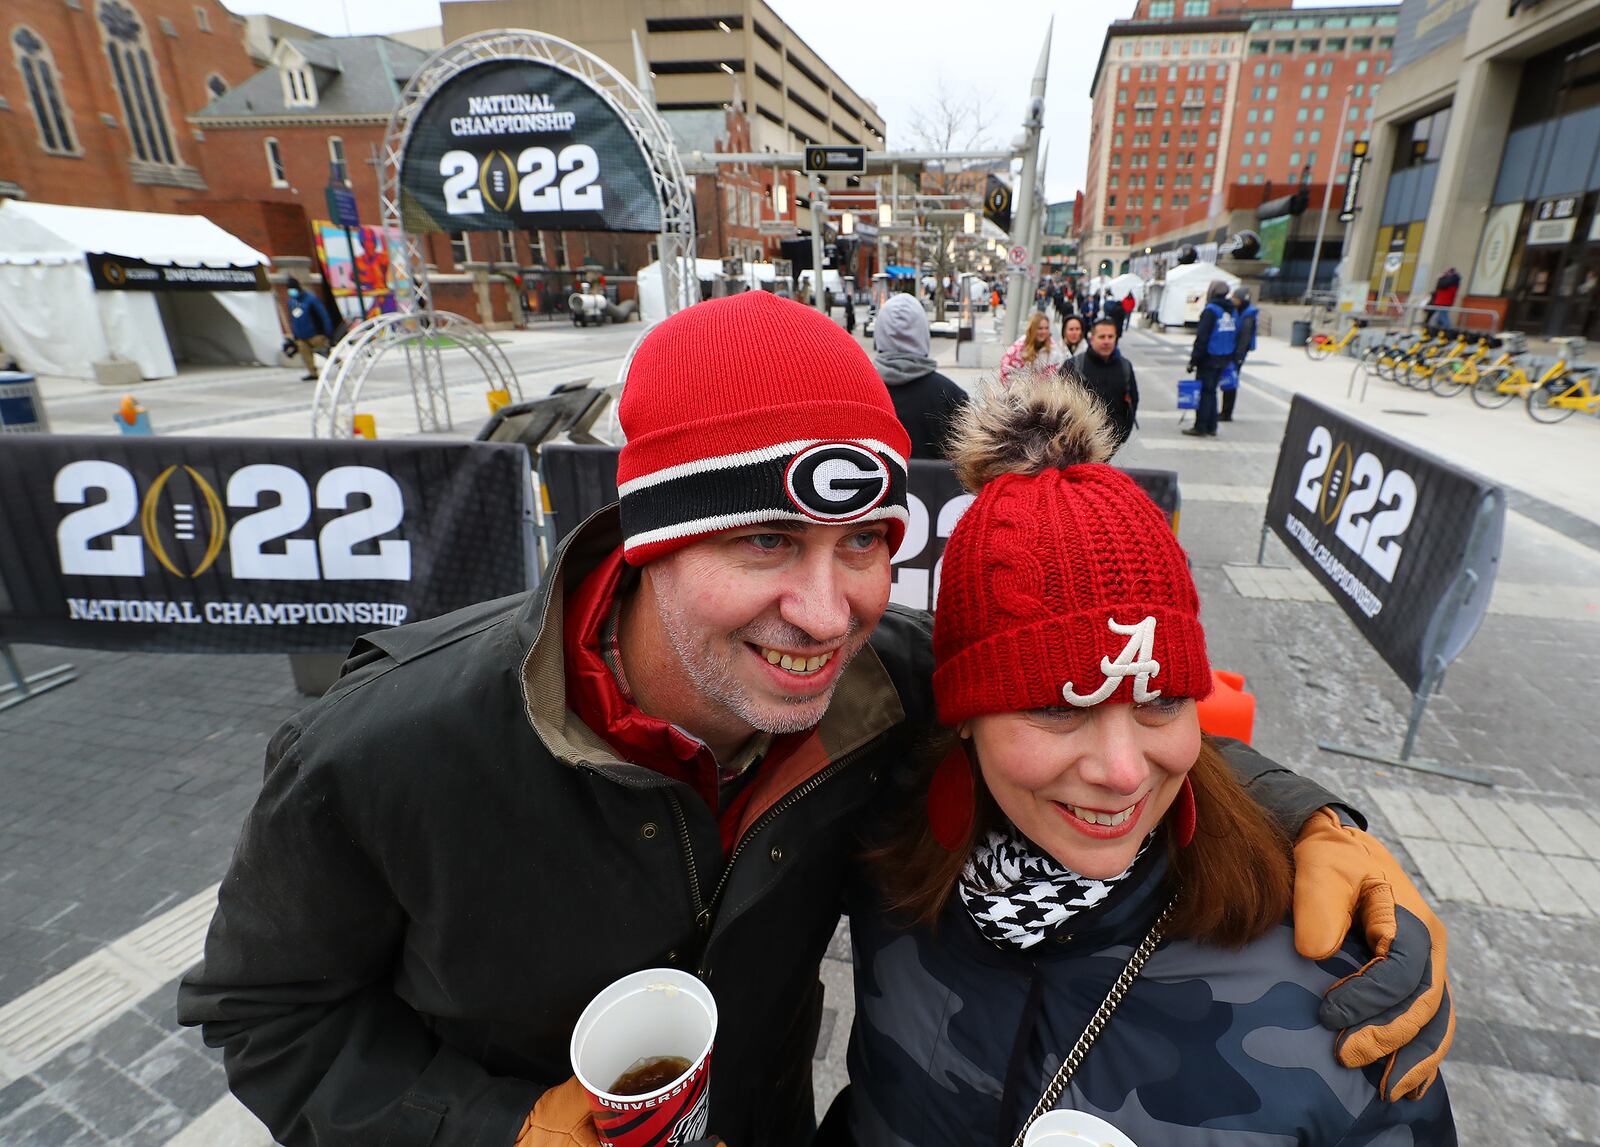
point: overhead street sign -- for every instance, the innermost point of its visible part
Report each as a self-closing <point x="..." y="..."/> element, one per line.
<point x="1017" y="256"/>
<point x="829" y="157"/>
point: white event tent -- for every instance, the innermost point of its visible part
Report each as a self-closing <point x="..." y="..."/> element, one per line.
<point x="1183" y="296"/>
<point x="54" y="321"/>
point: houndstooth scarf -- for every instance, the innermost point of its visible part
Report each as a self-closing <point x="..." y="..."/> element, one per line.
<point x="1018" y="895"/>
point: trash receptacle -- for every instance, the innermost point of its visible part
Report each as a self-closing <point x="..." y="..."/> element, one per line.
<point x="1300" y="332"/>
<point x="21" y="408"/>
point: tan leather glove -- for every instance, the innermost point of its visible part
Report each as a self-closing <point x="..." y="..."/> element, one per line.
<point x="561" y="1118"/>
<point x="1398" y="1005"/>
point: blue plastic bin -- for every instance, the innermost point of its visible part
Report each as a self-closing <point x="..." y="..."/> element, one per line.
<point x="1188" y="394"/>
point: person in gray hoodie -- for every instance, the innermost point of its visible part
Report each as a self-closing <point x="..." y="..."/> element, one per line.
<point x="924" y="400"/>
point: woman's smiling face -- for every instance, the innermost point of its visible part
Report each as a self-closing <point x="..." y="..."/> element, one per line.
<point x="1087" y="785"/>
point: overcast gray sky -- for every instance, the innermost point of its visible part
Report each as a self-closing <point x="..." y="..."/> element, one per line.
<point x="897" y="53"/>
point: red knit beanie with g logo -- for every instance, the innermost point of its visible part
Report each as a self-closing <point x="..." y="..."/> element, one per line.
<point x="754" y="409"/>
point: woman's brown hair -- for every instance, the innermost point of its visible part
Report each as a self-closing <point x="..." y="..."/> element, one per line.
<point x="1029" y="350"/>
<point x="1234" y="880"/>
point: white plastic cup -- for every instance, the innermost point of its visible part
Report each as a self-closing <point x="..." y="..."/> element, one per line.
<point x="656" y="1012"/>
<point x="1074" y="1129"/>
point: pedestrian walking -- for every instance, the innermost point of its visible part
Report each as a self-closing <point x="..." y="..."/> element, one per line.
<point x="1443" y="298"/>
<point x="849" y="312"/>
<point x="1088" y="899"/>
<point x="1245" y="344"/>
<point x="663" y="755"/>
<point x="309" y="326"/>
<point x="1036" y="347"/>
<point x="925" y="401"/>
<point x="1073" y="335"/>
<point x="1107" y="374"/>
<point x="1214" y="345"/>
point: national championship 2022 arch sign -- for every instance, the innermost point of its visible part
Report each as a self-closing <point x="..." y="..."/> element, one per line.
<point x="505" y="130"/>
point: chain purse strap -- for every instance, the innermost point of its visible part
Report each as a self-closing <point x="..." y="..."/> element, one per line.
<point x="1097" y="1022"/>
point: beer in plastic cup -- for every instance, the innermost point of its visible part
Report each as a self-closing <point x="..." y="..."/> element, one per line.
<point x="1074" y="1129"/>
<point x="660" y="1012"/>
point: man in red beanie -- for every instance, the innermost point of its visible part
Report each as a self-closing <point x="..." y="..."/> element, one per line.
<point x="660" y="757"/>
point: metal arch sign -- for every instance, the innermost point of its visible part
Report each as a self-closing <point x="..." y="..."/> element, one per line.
<point x="514" y="144"/>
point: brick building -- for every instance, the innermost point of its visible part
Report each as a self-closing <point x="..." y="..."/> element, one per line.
<point x="1228" y="94"/>
<point x="96" y="95"/>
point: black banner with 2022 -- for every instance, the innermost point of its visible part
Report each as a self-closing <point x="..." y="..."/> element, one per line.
<point x="1406" y="543"/>
<point x="519" y="144"/>
<point x="222" y="545"/>
<point x="583" y="479"/>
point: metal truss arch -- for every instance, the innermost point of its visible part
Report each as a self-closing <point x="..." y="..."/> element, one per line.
<point x="347" y="367"/>
<point x="419" y="337"/>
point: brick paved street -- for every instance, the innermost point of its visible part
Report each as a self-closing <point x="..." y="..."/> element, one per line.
<point x="123" y="792"/>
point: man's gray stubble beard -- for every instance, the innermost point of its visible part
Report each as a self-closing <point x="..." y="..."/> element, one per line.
<point x="718" y="683"/>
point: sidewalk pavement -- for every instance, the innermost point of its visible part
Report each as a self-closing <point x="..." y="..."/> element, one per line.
<point x="124" y="792"/>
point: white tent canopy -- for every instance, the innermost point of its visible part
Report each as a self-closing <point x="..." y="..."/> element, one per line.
<point x="1184" y="295"/>
<point x="55" y="322"/>
<point x="1123" y="285"/>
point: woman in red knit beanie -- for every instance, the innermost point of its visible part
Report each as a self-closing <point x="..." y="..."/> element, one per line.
<point x="1088" y="913"/>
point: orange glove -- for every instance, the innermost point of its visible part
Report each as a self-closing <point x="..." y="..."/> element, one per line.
<point x="561" y="1118"/>
<point x="1398" y="1005"/>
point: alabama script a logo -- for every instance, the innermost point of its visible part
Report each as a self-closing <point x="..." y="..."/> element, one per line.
<point x="1134" y="661"/>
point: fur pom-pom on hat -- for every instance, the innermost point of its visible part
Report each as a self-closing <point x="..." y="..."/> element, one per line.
<point x="1062" y="584"/>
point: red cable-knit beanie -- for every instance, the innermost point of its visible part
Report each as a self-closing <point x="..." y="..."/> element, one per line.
<point x="754" y="409"/>
<point x="1062" y="584"/>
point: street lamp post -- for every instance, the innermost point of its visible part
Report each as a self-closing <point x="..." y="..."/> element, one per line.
<point x="819" y="201"/>
<point x="1016" y="305"/>
<point x="1327" y="191"/>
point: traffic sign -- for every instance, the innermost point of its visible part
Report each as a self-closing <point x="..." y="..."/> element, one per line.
<point x="1017" y="256"/>
<point x="342" y="206"/>
<point x="835" y="157"/>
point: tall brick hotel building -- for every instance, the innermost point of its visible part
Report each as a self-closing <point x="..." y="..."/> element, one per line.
<point x="1206" y="109"/>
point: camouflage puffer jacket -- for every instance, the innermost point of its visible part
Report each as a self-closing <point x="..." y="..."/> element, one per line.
<point x="955" y="1040"/>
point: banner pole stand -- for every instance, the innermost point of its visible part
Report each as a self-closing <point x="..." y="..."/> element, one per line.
<point x="29" y="687"/>
<point x="1261" y="549"/>
<point x="1459" y="592"/>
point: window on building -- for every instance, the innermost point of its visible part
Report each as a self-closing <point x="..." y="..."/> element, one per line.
<point x="1380" y="66"/>
<point x="202" y="19"/>
<point x="1166" y="116"/>
<point x="1266" y="138"/>
<point x="1334" y="45"/>
<point x="505" y="247"/>
<point x="1244" y="159"/>
<point x="1162" y="9"/>
<point x="1272" y="92"/>
<point x="137" y="83"/>
<point x="51" y="116"/>
<point x="460" y="249"/>
<point x="1322" y="91"/>
<point x="1361" y="43"/>
<point x="1261" y="159"/>
<point x="1305" y="91"/>
<point x="275" y="164"/>
<point x="1302" y="114"/>
<point x="1121" y="118"/>
<point x="1260" y="70"/>
<point x="1311" y="67"/>
<point x="1311" y="158"/>
<point x="1111" y="200"/>
<point x="1197" y="7"/>
<point x="1211" y="139"/>
<point x="1299" y="135"/>
<point x="1121" y="75"/>
<point x="1316" y="114"/>
<point x="1249" y="138"/>
<point x="1268" y="114"/>
<point x="1251" y="116"/>
<point x="216" y="86"/>
<point x="536" y="248"/>
<point x="338" y="170"/>
<point x="1385" y="43"/>
<point x="1294" y="159"/>
<point x="1284" y="46"/>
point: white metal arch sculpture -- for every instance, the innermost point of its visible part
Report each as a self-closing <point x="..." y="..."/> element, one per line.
<point x="415" y="326"/>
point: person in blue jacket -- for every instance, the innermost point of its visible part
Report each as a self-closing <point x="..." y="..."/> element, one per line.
<point x="1245" y="345"/>
<point x="1215" y="344"/>
<point x="309" y="326"/>
<point x="1086" y="910"/>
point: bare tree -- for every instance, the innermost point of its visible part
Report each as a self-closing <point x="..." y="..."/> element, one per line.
<point x="953" y="120"/>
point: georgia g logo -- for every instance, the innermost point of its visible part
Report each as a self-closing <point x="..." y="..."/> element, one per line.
<point x="836" y="481"/>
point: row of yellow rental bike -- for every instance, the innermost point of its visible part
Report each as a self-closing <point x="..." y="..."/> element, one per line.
<point x="1494" y="369"/>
